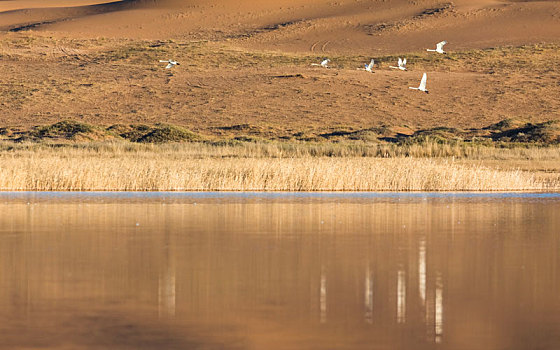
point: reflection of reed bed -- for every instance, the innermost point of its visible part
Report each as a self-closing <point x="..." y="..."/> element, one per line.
<point x="185" y="168"/>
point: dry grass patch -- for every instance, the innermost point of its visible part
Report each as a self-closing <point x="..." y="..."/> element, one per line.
<point x="158" y="169"/>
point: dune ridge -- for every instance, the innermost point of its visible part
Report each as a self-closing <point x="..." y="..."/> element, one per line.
<point x="365" y="26"/>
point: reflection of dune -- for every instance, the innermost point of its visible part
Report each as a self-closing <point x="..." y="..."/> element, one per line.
<point x="359" y="267"/>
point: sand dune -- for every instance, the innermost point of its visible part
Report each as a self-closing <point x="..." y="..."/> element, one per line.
<point x="10" y="5"/>
<point x="82" y="54"/>
<point x="27" y="15"/>
<point x="364" y="26"/>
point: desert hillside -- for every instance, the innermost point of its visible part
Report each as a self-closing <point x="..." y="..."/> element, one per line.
<point x="249" y="63"/>
<point x="345" y="26"/>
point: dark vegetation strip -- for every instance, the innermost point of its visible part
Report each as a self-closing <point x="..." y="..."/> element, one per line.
<point x="507" y="132"/>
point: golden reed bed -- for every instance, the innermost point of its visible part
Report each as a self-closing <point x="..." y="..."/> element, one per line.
<point x="204" y="168"/>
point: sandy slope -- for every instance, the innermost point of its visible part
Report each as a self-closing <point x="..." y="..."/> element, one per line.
<point x="105" y="82"/>
<point x="10" y="5"/>
<point x="67" y="78"/>
<point x="364" y="26"/>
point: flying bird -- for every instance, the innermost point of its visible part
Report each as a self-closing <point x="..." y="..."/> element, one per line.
<point x="422" y="86"/>
<point x="369" y="67"/>
<point x="439" y="47"/>
<point x="324" y="63"/>
<point x="170" y="63"/>
<point x="401" y="64"/>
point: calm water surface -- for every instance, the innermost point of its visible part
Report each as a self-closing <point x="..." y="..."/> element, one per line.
<point x="279" y="271"/>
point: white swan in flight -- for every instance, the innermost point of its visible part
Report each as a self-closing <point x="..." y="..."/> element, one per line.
<point x="422" y="86"/>
<point x="439" y="47"/>
<point x="369" y="67"/>
<point x="324" y="64"/>
<point x="402" y="64"/>
<point x="170" y="63"/>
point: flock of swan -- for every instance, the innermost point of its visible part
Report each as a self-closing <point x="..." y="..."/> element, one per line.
<point x="401" y="65"/>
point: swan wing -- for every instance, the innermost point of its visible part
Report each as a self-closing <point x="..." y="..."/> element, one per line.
<point x="423" y="81"/>
<point x="440" y="45"/>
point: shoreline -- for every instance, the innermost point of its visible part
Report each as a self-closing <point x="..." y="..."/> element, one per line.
<point x="282" y="193"/>
<point x="268" y="198"/>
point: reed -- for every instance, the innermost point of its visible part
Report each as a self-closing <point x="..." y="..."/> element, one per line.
<point x="203" y="167"/>
<point x="275" y="149"/>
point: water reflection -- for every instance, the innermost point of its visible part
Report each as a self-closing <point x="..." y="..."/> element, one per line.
<point x="401" y="297"/>
<point x="323" y="296"/>
<point x="368" y="296"/>
<point x="167" y="283"/>
<point x="422" y="270"/>
<point x="418" y="274"/>
<point x="438" y="324"/>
